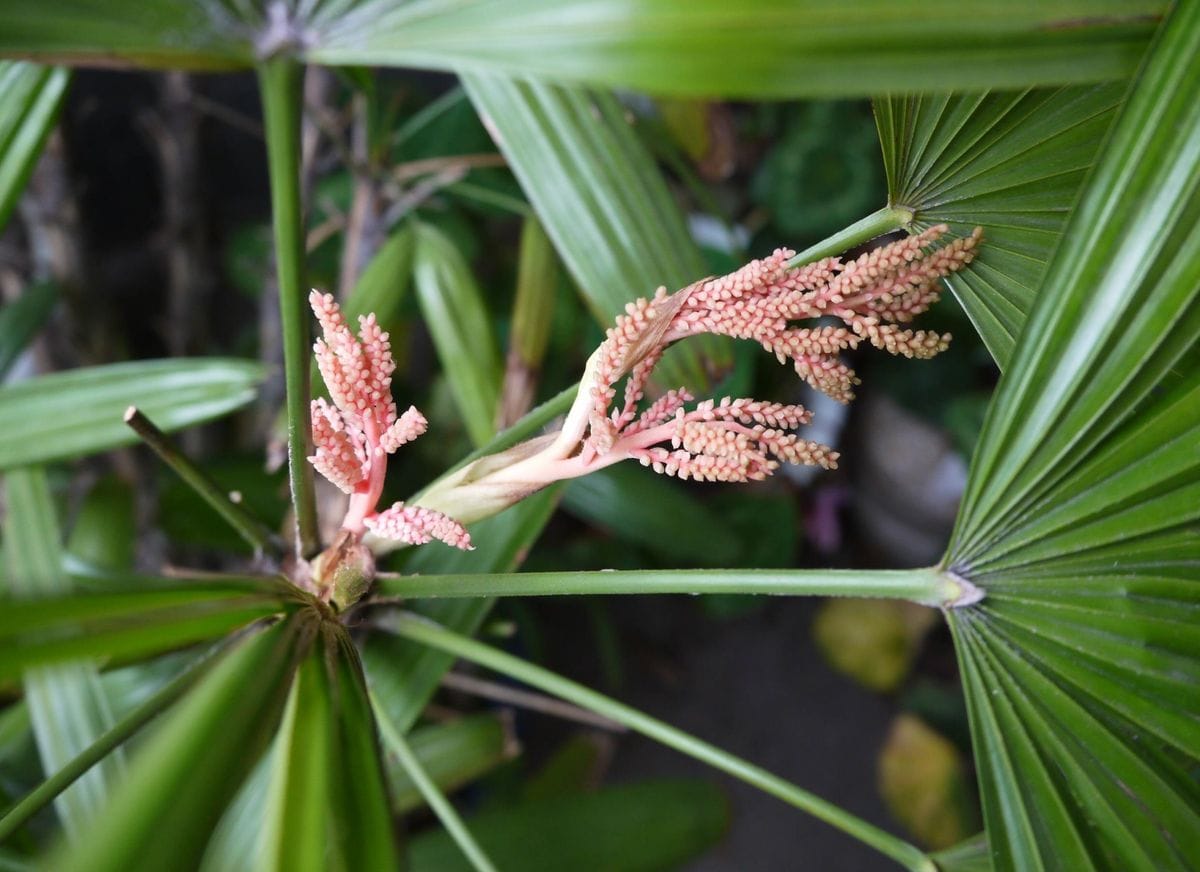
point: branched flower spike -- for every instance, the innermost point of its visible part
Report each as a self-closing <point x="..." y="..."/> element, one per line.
<point x="743" y="439"/>
<point x="355" y="434"/>
<point x="872" y="296"/>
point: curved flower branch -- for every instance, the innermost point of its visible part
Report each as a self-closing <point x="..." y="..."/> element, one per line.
<point x="743" y="439"/>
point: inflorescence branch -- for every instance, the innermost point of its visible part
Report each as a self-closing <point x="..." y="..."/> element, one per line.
<point x="869" y="299"/>
<point x="873" y="297"/>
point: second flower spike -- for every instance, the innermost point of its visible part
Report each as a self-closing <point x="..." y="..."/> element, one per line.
<point x="355" y="435"/>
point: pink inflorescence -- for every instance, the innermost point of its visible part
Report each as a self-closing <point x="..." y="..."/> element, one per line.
<point x="742" y="439"/>
<point x="354" y="435"/>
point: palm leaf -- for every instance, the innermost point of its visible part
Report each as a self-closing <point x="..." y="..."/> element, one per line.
<point x="760" y="48"/>
<point x="1010" y="162"/>
<point x="326" y="798"/>
<point x="399" y="748"/>
<point x="21" y="320"/>
<point x="194" y="762"/>
<point x="67" y="414"/>
<point x="67" y="707"/>
<point x="165" y="33"/>
<point x="298" y="827"/>
<point x="670" y="822"/>
<point x="29" y="100"/>
<point x="97" y="754"/>
<point x="362" y="817"/>
<point x="1081" y="664"/>
<point x="451" y="754"/>
<point x="458" y="320"/>
<point x="969" y="856"/>
<point x="133" y="623"/>
<point x="601" y="197"/>
<point x="654" y="513"/>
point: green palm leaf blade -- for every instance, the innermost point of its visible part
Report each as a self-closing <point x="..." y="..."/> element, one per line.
<point x="362" y="817"/>
<point x="194" y="762"/>
<point x="972" y="855"/>
<point x="1010" y="162"/>
<point x="162" y="33"/>
<point x="297" y="832"/>
<point x="68" y="709"/>
<point x="21" y="320"/>
<point x="457" y="317"/>
<point x="671" y="822"/>
<point x="326" y="802"/>
<point x="130" y="624"/>
<point x="602" y="200"/>
<point x="68" y="414"/>
<point x="761" y="48"/>
<point x="29" y="100"/>
<point x="453" y="753"/>
<point x="1082" y="662"/>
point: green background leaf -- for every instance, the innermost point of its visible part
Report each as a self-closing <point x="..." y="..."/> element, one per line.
<point x="648" y="826"/>
<point x="602" y="200"/>
<point x="458" y="320"/>
<point x="21" y="320"/>
<point x="452" y="754"/>
<point x="66" y="414"/>
<point x="67" y="707"/>
<point x="29" y="100"/>
<point x="192" y="766"/>
<point x="404" y="676"/>
<point x="639" y="507"/>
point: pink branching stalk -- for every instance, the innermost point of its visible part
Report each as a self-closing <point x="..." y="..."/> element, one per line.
<point x="355" y="435"/>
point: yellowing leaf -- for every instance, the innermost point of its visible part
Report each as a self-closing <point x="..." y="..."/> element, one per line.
<point x="872" y="641"/>
<point x="924" y="784"/>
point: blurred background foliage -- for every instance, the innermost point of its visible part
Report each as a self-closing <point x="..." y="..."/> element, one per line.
<point x="153" y="193"/>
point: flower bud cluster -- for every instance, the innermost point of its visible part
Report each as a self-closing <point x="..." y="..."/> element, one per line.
<point x="871" y="295"/>
<point x="354" y="435"/>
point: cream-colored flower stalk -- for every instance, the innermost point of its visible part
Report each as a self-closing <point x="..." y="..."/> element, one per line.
<point x="733" y="439"/>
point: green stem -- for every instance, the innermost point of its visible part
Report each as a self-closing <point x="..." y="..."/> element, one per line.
<point x="248" y="527"/>
<point x="926" y="586"/>
<point x="426" y="632"/>
<point x="44" y="793"/>
<point x="398" y="745"/>
<point x="886" y="220"/>
<point x="280" y="84"/>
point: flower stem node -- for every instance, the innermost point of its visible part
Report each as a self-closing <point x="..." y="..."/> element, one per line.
<point x="342" y="574"/>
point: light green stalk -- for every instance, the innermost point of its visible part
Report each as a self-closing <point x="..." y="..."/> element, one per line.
<point x="280" y="84"/>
